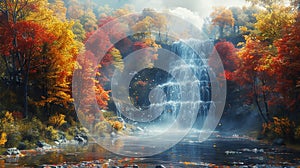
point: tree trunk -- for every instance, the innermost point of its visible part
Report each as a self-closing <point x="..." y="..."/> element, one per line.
<point x="25" y="99"/>
<point x="266" y="103"/>
<point x="221" y="31"/>
<point x="260" y="110"/>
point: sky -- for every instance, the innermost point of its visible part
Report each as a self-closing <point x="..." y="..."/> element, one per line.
<point x="192" y="10"/>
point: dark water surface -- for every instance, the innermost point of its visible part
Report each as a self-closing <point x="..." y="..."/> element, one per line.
<point x="217" y="150"/>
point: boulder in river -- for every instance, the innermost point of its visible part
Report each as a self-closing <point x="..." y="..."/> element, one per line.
<point x="12" y="151"/>
<point x="43" y="145"/>
<point x="81" y="139"/>
<point x="278" y="142"/>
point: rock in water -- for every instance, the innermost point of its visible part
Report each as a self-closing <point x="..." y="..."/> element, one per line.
<point x="12" y="151"/>
<point x="278" y="142"/>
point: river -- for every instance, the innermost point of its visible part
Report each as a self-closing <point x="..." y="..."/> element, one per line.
<point x="218" y="150"/>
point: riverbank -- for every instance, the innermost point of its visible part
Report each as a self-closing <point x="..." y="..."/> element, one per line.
<point x="255" y="135"/>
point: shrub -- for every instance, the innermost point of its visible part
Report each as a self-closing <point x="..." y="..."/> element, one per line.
<point x="57" y="120"/>
<point x="103" y="126"/>
<point x="280" y="127"/>
<point x="297" y="133"/>
<point x="3" y="139"/>
<point x="51" y="133"/>
<point x="31" y="130"/>
<point x="117" y="125"/>
<point x="13" y="140"/>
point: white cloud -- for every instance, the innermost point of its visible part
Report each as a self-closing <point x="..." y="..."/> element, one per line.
<point x="202" y="7"/>
<point x="229" y="3"/>
<point x="188" y="15"/>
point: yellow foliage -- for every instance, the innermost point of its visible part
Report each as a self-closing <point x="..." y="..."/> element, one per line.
<point x="61" y="54"/>
<point x="270" y="23"/>
<point x="3" y="139"/>
<point x="57" y="120"/>
<point x="118" y="61"/>
<point x="9" y="117"/>
<point x="243" y="29"/>
<point x="222" y="17"/>
<point x="51" y="133"/>
<point x="123" y="11"/>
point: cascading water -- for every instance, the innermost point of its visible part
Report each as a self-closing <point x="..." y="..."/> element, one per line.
<point x="194" y="53"/>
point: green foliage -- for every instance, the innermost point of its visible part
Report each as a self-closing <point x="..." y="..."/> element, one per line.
<point x="32" y="130"/>
<point x="79" y="31"/>
<point x="109" y="114"/>
<point x="13" y="140"/>
<point x="297" y="133"/>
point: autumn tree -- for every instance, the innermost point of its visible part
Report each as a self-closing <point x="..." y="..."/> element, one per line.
<point x="59" y="9"/>
<point x="105" y="10"/>
<point x="87" y="90"/>
<point x="89" y="21"/>
<point x="287" y="64"/>
<point x="23" y="43"/>
<point x="222" y="18"/>
<point x="256" y="70"/>
<point x="79" y="31"/>
<point x="74" y="9"/>
<point x="243" y="17"/>
<point x="143" y="28"/>
<point x="58" y="63"/>
<point x="228" y="54"/>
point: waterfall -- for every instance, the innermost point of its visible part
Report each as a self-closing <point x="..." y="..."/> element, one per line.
<point x="194" y="53"/>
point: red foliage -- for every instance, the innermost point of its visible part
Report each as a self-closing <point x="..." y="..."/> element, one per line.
<point x="287" y="64"/>
<point x="139" y="45"/>
<point x="86" y="88"/>
<point x="228" y="54"/>
<point x="30" y="37"/>
<point x="26" y="39"/>
<point x="17" y="115"/>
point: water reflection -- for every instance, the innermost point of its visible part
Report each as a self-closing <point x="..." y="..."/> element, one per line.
<point x="189" y="152"/>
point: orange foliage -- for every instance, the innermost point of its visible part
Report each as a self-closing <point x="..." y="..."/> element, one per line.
<point x="222" y="17"/>
<point x="117" y="125"/>
<point x="280" y="127"/>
